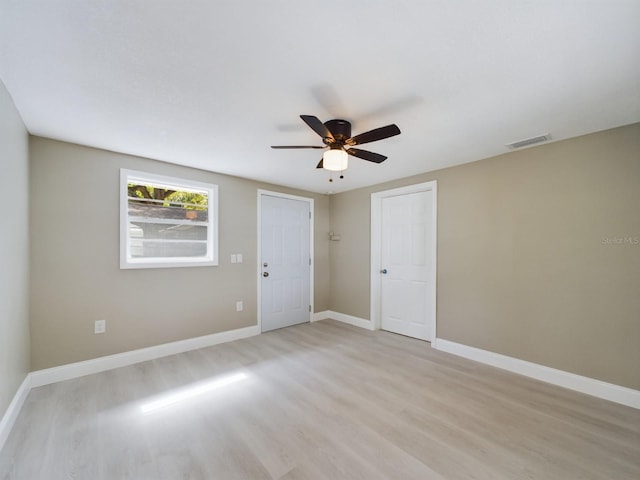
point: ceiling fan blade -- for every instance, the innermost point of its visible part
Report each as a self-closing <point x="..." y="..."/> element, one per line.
<point x="295" y="146"/>
<point x="374" y="135"/>
<point x="317" y="126"/>
<point x="366" y="155"/>
<point x="320" y="163"/>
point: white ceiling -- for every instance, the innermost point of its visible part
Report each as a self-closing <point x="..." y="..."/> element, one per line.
<point x="212" y="84"/>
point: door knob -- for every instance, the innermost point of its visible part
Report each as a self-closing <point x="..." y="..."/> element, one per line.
<point x="383" y="271"/>
<point x="265" y="274"/>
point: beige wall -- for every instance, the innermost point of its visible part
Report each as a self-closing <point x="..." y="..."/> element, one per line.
<point x="350" y="214"/>
<point x="14" y="251"/>
<point x="75" y="274"/>
<point x="529" y="263"/>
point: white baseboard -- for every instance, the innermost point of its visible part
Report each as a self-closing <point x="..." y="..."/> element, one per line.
<point x="341" y="317"/>
<point x="317" y="316"/>
<point x="597" y="388"/>
<point x="101" y="364"/>
<point x="9" y="418"/>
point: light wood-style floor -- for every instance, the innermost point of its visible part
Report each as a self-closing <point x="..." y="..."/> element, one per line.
<point x="318" y="401"/>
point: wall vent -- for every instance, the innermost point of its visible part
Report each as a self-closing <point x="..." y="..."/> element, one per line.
<point x="529" y="141"/>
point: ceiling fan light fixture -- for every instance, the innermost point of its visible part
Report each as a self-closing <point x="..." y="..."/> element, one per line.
<point x="335" y="159"/>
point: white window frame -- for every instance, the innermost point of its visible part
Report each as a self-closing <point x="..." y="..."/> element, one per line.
<point x="127" y="261"/>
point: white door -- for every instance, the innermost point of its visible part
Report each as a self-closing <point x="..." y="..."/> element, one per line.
<point x="285" y="263"/>
<point x="407" y="266"/>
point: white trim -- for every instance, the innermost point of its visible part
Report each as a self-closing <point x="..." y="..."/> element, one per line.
<point x="376" y="246"/>
<point x="101" y="364"/>
<point x="9" y="418"/>
<point x="317" y="316"/>
<point x="344" y="318"/>
<point x="597" y="388"/>
<point x="311" y="203"/>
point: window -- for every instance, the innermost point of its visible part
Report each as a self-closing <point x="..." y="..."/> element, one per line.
<point x="167" y="222"/>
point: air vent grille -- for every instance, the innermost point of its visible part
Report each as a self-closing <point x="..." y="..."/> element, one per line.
<point x="529" y="141"/>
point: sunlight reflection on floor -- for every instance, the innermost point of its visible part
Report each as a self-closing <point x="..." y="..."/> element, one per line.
<point x="191" y="391"/>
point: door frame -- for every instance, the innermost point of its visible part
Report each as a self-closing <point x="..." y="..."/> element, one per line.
<point x="270" y="193"/>
<point x="376" y="247"/>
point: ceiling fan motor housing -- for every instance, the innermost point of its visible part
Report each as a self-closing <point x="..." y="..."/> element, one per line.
<point x="341" y="130"/>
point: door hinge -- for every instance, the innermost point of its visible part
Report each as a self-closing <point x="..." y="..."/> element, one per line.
<point x="309" y="308"/>
<point x="309" y="214"/>
<point x="309" y="262"/>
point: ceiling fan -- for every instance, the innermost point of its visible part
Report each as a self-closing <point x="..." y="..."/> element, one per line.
<point x="336" y="135"/>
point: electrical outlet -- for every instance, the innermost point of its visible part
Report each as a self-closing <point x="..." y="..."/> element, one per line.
<point x="234" y="258"/>
<point x="100" y="326"/>
<point x="239" y="306"/>
<point x="239" y="257"/>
